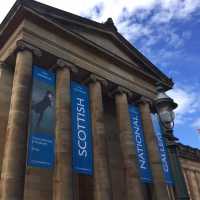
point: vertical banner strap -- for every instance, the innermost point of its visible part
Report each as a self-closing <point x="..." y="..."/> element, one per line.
<point x="42" y="118"/>
<point x="162" y="150"/>
<point x="82" y="156"/>
<point x="140" y="145"/>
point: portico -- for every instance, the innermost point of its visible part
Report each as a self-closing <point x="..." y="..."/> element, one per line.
<point x="116" y="74"/>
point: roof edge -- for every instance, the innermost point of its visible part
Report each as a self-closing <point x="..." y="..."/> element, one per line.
<point x="167" y="82"/>
<point x="188" y="152"/>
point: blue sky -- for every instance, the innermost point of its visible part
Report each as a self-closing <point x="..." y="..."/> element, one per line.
<point x="165" y="31"/>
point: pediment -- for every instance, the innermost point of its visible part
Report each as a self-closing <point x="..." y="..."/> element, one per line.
<point x="104" y="36"/>
<point x="99" y="35"/>
<point x="104" y="41"/>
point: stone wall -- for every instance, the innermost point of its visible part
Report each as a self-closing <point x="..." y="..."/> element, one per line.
<point x="190" y="162"/>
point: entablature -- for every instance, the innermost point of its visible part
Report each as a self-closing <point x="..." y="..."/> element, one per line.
<point x="55" y="47"/>
<point x="55" y="20"/>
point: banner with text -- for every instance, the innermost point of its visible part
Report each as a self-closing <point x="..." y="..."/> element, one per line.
<point x="42" y="117"/>
<point x="162" y="150"/>
<point x="140" y="145"/>
<point x="82" y="156"/>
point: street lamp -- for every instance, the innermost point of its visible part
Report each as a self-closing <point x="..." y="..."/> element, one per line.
<point x="164" y="106"/>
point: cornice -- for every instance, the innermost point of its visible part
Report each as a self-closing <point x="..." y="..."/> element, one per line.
<point x="120" y="61"/>
<point x="189" y="153"/>
<point x="28" y="8"/>
<point x="84" y="61"/>
<point x="108" y="27"/>
<point x="112" y="32"/>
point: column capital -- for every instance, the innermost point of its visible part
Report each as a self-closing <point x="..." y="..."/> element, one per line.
<point x="121" y="90"/>
<point x="145" y="100"/>
<point x="95" y="78"/>
<point x="60" y="63"/>
<point x="22" y="45"/>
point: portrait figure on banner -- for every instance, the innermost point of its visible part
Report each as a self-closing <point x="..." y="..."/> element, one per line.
<point x="42" y="107"/>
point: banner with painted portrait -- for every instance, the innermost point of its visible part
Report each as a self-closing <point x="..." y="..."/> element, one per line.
<point x="42" y="119"/>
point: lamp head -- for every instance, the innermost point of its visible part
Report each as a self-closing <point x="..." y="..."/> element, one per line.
<point x="164" y="106"/>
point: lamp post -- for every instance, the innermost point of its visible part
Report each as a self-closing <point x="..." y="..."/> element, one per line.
<point x="164" y="106"/>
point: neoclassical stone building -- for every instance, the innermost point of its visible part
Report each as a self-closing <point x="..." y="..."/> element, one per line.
<point x="116" y="74"/>
<point x="190" y="162"/>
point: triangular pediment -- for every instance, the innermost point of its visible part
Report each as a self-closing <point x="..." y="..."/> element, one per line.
<point x="98" y="33"/>
<point x="104" y="41"/>
<point x="104" y="36"/>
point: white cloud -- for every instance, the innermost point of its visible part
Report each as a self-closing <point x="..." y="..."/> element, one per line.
<point x="188" y="99"/>
<point x="175" y="9"/>
<point x="196" y="123"/>
<point x="134" y="19"/>
<point x="5" y="7"/>
<point x="145" y="23"/>
<point x="145" y="20"/>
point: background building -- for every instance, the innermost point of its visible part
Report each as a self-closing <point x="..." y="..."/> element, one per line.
<point x="190" y="162"/>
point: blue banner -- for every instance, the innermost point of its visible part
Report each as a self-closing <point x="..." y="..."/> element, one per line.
<point x="162" y="150"/>
<point x="42" y="118"/>
<point x="82" y="156"/>
<point x="140" y="145"/>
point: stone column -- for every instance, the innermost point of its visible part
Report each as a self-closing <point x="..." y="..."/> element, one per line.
<point x="197" y="175"/>
<point x="186" y="180"/>
<point x="6" y="79"/>
<point x="63" y="184"/>
<point x="14" y="160"/>
<point x="133" y="184"/>
<point x="186" y="174"/>
<point x="159" y="186"/>
<point x="194" y="185"/>
<point x="2" y="66"/>
<point x="102" y="187"/>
